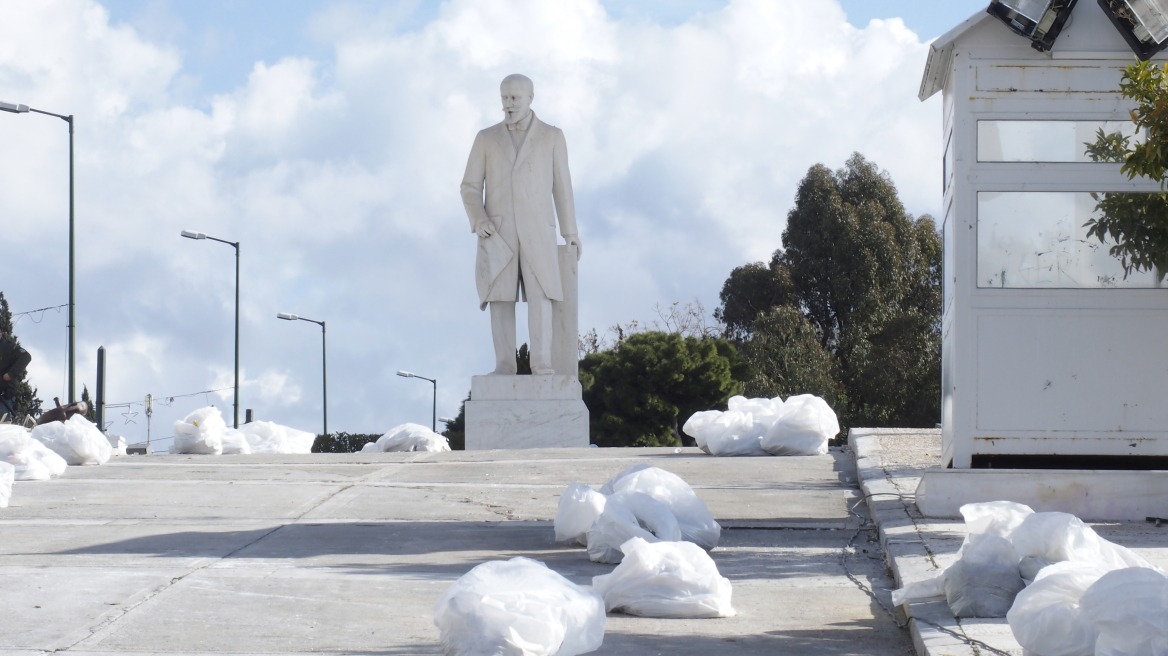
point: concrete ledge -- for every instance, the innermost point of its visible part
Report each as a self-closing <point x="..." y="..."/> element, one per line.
<point x="1092" y="495"/>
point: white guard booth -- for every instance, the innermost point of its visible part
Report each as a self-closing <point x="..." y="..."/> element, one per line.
<point x="1051" y="357"/>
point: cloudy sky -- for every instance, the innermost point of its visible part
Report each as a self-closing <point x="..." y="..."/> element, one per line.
<point x="329" y="138"/>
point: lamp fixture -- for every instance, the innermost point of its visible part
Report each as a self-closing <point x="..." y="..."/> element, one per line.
<point x="1142" y="23"/>
<point x="1038" y="20"/>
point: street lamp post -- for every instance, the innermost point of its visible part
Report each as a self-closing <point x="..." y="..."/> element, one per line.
<point x="72" y="328"/>
<point x="198" y="235"/>
<point x="323" y="358"/>
<point x="434" y="416"/>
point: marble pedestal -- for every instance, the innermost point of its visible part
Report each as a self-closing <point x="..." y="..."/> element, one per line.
<point x="525" y="412"/>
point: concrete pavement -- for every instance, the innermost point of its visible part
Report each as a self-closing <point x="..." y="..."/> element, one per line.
<point x="346" y="553"/>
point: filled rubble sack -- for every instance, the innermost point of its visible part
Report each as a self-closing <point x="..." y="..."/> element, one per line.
<point x="998" y="518"/>
<point x="627" y="515"/>
<point x="804" y="426"/>
<point x="1046" y="617"/>
<point x="985" y="580"/>
<point x="202" y="432"/>
<point x="579" y="507"/>
<point x="270" y="437"/>
<point x="693" y="517"/>
<point x="518" y="607"/>
<point x="1056" y="537"/>
<point x="665" y="579"/>
<point x="1129" y="607"/>
<point x="7" y="476"/>
<point x="77" y="441"/>
<point x="33" y="461"/>
<point x="409" y="437"/>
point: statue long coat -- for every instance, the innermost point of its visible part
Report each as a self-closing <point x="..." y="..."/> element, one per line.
<point x="521" y="190"/>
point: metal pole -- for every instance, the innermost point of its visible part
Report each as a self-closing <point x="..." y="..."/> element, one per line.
<point x="99" y="410"/>
<point x="72" y="300"/>
<point x="434" y="416"/>
<point x="324" y="372"/>
<point x="236" y="404"/>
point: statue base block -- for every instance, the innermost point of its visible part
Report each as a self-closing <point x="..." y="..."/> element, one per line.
<point x="525" y="412"/>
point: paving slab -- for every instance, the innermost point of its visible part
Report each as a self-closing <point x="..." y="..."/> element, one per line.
<point x="347" y="553"/>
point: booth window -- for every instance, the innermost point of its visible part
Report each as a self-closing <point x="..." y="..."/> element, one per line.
<point x="1033" y="239"/>
<point x="1043" y="141"/>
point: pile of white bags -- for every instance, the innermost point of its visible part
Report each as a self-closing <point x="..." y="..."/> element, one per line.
<point x="665" y="579"/>
<point x="33" y="461"/>
<point x="693" y="517"/>
<point x="519" y="607"/>
<point x="1009" y="545"/>
<point x="204" y="432"/>
<point x="7" y="476"/>
<point x="77" y="441"/>
<point x="757" y="427"/>
<point x="408" y="437"/>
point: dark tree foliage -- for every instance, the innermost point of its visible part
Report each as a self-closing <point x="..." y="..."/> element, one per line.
<point x="455" y="431"/>
<point x="866" y="277"/>
<point x="91" y="410"/>
<point x="789" y="359"/>
<point x="341" y="442"/>
<point x="639" y="391"/>
<point x="21" y="397"/>
<point x="751" y="290"/>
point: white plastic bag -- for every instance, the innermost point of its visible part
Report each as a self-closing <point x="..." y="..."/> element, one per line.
<point x="270" y="437"/>
<point x="518" y="607"/>
<point x="235" y="443"/>
<point x="202" y="431"/>
<point x="804" y="426"/>
<point x="736" y="432"/>
<point x="693" y="517"/>
<point x="1046" y="618"/>
<point x="1056" y="537"/>
<point x="579" y="507"/>
<point x="7" y="475"/>
<point x="33" y="461"/>
<point x="411" y="437"/>
<point x="998" y="518"/>
<point x="1129" y="607"/>
<point x="665" y="579"/>
<point x="626" y="515"/>
<point x="77" y="441"/>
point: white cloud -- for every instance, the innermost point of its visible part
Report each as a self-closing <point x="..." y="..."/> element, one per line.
<point x="339" y="179"/>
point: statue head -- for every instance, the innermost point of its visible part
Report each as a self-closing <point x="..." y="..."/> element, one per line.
<point x="517" y="92"/>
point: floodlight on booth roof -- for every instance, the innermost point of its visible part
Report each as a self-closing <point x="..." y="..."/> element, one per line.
<point x="193" y="235"/>
<point x="286" y="317"/>
<point x="12" y="107"/>
<point x="1038" y="20"/>
<point x="1142" y="23"/>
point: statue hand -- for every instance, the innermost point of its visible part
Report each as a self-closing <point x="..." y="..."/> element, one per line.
<point x="574" y="240"/>
<point x="485" y="229"/>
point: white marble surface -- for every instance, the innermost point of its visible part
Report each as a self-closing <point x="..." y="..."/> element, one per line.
<point x="565" y="316"/>
<point x="519" y="424"/>
<point x="524" y="388"/>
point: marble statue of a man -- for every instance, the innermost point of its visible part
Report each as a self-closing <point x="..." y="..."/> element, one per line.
<point x="522" y="164"/>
